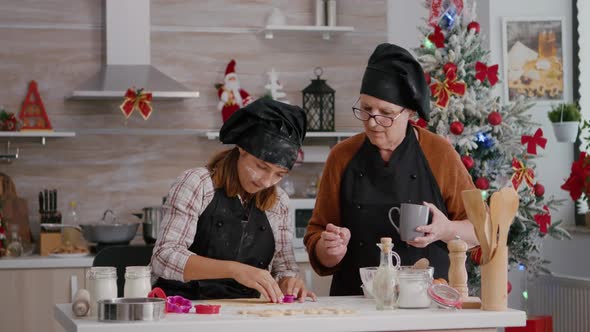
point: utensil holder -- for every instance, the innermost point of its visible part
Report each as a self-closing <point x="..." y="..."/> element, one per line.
<point x="494" y="281"/>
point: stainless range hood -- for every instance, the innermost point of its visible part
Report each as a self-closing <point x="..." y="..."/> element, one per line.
<point x="128" y="58"/>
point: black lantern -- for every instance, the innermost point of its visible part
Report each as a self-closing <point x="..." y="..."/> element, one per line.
<point x="318" y="103"/>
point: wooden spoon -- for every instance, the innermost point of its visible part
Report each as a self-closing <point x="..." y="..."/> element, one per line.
<point x="478" y="216"/>
<point x="503" y="212"/>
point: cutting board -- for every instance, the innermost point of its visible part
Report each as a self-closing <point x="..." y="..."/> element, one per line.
<point x="14" y="208"/>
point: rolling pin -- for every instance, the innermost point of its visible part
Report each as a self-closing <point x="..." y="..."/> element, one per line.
<point x="81" y="303"/>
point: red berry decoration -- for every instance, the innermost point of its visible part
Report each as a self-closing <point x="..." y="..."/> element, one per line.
<point x="468" y="162"/>
<point x="539" y="189"/>
<point x="509" y="287"/>
<point x="495" y="118"/>
<point x="482" y="183"/>
<point x="473" y="25"/>
<point x="457" y="127"/>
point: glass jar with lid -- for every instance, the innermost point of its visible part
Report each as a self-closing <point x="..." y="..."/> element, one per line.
<point x="137" y="281"/>
<point x="413" y="287"/>
<point x="102" y="285"/>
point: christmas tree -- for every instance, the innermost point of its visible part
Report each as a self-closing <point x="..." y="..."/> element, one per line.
<point x="497" y="142"/>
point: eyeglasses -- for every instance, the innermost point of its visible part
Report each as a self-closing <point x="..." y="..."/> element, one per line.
<point x="382" y="120"/>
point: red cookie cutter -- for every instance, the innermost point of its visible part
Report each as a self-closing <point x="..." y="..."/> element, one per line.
<point x="207" y="309"/>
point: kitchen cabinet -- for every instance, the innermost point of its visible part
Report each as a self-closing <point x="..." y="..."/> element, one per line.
<point x="29" y="295"/>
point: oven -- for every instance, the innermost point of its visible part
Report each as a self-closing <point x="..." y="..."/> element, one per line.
<point x="300" y="212"/>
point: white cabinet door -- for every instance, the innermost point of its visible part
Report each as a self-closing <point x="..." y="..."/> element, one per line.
<point x="28" y="295"/>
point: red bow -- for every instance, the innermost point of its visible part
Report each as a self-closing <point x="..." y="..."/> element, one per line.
<point x="137" y="99"/>
<point x="543" y="220"/>
<point x="521" y="172"/>
<point x="437" y="37"/>
<point x="533" y="141"/>
<point x="442" y="90"/>
<point x="482" y="71"/>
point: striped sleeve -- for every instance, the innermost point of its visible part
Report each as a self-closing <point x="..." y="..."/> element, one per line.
<point x="188" y="197"/>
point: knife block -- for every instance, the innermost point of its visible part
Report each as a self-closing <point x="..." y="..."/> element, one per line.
<point x="48" y="242"/>
<point x="494" y="281"/>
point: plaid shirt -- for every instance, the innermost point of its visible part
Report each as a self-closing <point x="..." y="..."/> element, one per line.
<point x="189" y="196"/>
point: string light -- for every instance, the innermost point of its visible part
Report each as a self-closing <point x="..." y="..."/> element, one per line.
<point x="427" y="43"/>
<point x="525" y="295"/>
<point x="521" y="267"/>
<point x="484" y="195"/>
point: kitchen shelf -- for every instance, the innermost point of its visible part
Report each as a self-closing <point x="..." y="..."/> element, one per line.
<point x="326" y="31"/>
<point x="214" y="134"/>
<point x="34" y="134"/>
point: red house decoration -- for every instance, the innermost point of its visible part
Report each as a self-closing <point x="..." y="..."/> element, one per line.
<point x="32" y="112"/>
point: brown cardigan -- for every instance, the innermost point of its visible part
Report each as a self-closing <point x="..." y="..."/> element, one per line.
<point x="445" y="163"/>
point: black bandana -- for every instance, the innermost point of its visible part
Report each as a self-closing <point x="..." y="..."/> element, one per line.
<point x="269" y="130"/>
<point x="393" y="75"/>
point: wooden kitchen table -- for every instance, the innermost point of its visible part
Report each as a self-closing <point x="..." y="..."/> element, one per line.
<point x="365" y="318"/>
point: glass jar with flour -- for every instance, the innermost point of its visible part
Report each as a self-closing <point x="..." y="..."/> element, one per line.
<point x="413" y="286"/>
<point x="102" y="285"/>
<point x="137" y="281"/>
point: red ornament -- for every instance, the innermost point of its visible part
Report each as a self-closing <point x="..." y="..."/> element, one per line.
<point x="428" y="78"/>
<point x="468" y="162"/>
<point x="539" y="190"/>
<point x="457" y="127"/>
<point x="473" y="25"/>
<point x="475" y="255"/>
<point x="509" y="287"/>
<point x="422" y="123"/>
<point x="495" y="118"/>
<point x="533" y="141"/>
<point x="482" y="183"/>
<point x="482" y="72"/>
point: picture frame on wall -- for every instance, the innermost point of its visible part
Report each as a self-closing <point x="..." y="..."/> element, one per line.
<point x="534" y="59"/>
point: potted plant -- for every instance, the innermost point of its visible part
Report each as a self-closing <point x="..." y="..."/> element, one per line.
<point x="565" y="118"/>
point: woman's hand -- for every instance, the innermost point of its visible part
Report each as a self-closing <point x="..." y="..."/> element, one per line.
<point x="332" y="245"/>
<point x="259" y="279"/>
<point x="439" y="229"/>
<point x="296" y="286"/>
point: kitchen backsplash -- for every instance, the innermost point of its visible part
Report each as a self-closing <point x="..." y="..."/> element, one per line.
<point x="61" y="45"/>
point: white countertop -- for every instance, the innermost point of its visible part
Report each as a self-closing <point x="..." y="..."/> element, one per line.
<point x="48" y="262"/>
<point x="45" y="262"/>
<point x="366" y="318"/>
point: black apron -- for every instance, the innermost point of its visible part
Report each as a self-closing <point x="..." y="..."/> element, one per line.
<point x="227" y="231"/>
<point x="369" y="189"/>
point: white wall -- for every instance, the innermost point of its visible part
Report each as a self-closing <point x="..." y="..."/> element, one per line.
<point x="554" y="164"/>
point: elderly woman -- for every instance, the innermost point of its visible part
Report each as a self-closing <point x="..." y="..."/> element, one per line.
<point x="226" y="231"/>
<point x="392" y="162"/>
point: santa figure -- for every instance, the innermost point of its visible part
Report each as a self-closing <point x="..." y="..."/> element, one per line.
<point x="231" y="96"/>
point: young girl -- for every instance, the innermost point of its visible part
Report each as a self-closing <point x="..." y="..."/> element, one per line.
<point x="226" y="231"/>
